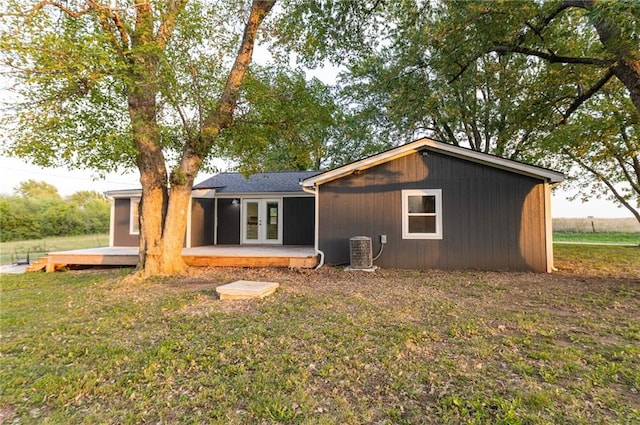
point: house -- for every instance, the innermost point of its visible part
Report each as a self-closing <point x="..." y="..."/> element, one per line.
<point x="265" y="208"/>
<point x="229" y="209"/>
<point x="435" y="204"/>
<point x="438" y="206"/>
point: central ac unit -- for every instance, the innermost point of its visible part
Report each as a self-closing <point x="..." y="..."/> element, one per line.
<point x="360" y="250"/>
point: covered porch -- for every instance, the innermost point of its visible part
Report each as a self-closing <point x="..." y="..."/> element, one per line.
<point x="293" y="256"/>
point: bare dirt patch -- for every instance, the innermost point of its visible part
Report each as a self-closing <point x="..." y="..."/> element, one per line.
<point x="552" y="294"/>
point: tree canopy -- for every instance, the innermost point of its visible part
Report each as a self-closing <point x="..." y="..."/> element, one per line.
<point x="107" y="85"/>
<point x="283" y="122"/>
<point x="507" y="80"/>
<point x="36" y="210"/>
<point x="288" y="122"/>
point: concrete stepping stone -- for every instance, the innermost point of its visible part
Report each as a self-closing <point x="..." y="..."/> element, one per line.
<point x="246" y="289"/>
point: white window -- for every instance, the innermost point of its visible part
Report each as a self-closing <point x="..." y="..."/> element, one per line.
<point x="134" y="220"/>
<point x="422" y="214"/>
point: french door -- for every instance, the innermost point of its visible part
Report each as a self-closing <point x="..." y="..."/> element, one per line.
<point x="261" y="221"/>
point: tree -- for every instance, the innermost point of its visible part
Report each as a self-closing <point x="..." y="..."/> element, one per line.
<point x="588" y="53"/>
<point x="120" y="83"/>
<point x="36" y="210"/>
<point x="93" y="209"/>
<point x="603" y="139"/>
<point x="86" y="198"/>
<point x="588" y="41"/>
<point x="17" y="220"/>
<point x="286" y="122"/>
<point x="493" y="77"/>
<point x="397" y="81"/>
<point x="37" y="189"/>
<point x="406" y="89"/>
<point x="580" y="44"/>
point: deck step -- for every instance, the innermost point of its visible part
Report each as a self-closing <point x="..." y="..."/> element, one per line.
<point x="39" y="265"/>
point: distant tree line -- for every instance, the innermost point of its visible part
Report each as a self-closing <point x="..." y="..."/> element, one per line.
<point x="36" y="210"/>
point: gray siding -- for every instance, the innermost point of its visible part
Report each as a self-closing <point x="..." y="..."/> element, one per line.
<point x="298" y="215"/>
<point x="121" y="236"/>
<point x="297" y="221"/>
<point x="228" y="223"/>
<point x="492" y="219"/>
<point x="202" y="221"/>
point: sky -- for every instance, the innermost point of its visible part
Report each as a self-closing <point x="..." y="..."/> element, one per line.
<point x="14" y="170"/>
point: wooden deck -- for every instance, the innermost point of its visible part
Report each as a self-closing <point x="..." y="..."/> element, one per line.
<point x="203" y="256"/>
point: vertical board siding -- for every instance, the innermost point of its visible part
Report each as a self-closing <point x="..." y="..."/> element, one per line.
<point x="228" y="232"/>
<point x="492" y="219"/>
<point x="202" y="221"/>
<point x="533" y="232"/>
<point x="298" y="220"/>
<point x="121" y="228"/>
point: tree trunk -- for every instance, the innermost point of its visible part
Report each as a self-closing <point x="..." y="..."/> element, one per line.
<point x="150" y="253"/>
<point x="628" y="73"/>
<point x="153" y="177"/>
<point x="627" y="68"/>
<point x="163" y="235"/>
<point x="175" y="227"/>
<point x="153" y="173"/>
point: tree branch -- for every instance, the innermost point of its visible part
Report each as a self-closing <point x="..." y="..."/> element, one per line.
<point x="374" y="7"/>
<point x="546" y="20"/>
<point x="59" y="6"/>
<point x="623" y="165"/>
<point x="194" y="152"/>
<point x="586" y="95"/>
<point x="550" y="57"/>
<point x="634" y="158"/>
<point x="222" y="116"/>
<point x="181" y="114"/>
<point x="174" y="8"/>
<point x="520" y="143"/>
<point x="606" y="182"/>
<point x="450" y="134"/>
<point x="463" y="69"/>
<point x="633" y="163"/>
<point x="108" y="16"/>
<point x="537" y="29"/>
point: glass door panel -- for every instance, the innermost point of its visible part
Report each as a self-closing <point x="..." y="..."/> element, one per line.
<point x="261" y="221"/>
<point x="252" y="220"/>
<point x="272" y="211"/>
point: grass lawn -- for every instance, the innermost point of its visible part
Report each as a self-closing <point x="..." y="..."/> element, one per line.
<point x="329" y="347"/>
<point x="604" y="237"/>
<point x="40" y="247"/>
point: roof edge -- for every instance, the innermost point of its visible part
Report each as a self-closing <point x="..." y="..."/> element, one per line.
<point x="301" y="175"/>
<point x="456" y="151"/>
<point x="123" y="193"/>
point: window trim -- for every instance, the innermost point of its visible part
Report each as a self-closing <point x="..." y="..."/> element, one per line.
<point x="437" y="193"/>
<point x="134" y="224"/>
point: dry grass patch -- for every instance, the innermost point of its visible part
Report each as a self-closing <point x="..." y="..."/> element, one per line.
<point x="598" y="225"/>
<point x="40" y="247"/>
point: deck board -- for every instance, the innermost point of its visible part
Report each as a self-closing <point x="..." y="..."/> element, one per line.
<point x="203" y="256"/>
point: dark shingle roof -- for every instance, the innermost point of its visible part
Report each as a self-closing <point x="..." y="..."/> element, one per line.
<point x="287" y="181"/>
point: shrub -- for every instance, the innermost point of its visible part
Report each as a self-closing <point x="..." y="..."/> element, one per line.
<point x="36" y="210"/>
